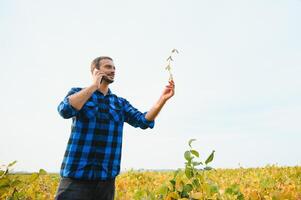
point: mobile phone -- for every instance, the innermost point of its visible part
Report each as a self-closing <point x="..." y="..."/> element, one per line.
<point x="105" y="77"/>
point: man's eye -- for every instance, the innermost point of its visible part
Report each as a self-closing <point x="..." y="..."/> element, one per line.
<point x="110" y="67"/>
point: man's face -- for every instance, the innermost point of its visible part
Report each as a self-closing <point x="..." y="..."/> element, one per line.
<point x="107" y="66"/>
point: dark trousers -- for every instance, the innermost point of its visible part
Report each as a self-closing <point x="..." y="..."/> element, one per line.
<point x="72" y="189"/>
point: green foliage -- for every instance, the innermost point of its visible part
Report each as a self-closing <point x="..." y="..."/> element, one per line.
<point x="17" y="187"/>
<point x="234" y="190"/>
<point x="270" y="182"/>
<point x="210" y="158"/>
<point x="196" y="181"/>
<point x="190" y="182"/>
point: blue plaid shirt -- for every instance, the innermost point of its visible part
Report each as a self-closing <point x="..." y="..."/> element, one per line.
<point x="94" y="147"/>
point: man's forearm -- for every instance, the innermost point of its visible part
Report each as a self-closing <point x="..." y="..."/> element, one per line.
<point x="78" y="99"/>
<point x="154" y="111"/>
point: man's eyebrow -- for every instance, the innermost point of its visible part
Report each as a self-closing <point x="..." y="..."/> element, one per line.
<point x="109" y="65"/>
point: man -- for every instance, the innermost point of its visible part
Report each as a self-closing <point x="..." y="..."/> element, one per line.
<point x="92" y="158"/>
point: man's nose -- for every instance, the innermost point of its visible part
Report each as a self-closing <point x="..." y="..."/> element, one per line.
<point x="112" y="71"/>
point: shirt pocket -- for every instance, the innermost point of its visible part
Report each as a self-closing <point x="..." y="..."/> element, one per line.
<point x="90" y="110"/>
<point x="116" y="112"/>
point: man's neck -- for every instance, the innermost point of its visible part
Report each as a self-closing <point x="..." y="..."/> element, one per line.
<point x="104" y="88"/>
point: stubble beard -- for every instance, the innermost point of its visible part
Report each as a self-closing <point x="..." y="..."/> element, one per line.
<point x="106" y="79"/>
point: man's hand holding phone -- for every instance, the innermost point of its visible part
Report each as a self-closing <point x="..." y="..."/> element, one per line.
<point x="97" y="77"/>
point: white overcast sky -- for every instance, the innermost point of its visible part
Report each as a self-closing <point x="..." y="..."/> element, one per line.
<point x="237" y="77"/>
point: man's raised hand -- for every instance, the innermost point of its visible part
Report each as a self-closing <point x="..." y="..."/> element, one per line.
<point x="169" y="91"/>
<point x="97" y="76"/>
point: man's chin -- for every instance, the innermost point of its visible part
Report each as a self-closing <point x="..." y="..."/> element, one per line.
<point x="108" y="80"/>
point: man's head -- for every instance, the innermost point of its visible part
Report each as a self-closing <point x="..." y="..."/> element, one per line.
<point x="104" y="64"/>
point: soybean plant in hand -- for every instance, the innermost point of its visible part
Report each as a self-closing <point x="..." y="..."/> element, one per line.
<point x="169" y="60"/>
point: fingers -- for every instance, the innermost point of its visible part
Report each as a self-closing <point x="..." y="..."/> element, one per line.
<point x="98" y="73"/>
<point x="171" y="87"/>
<point x="97" y="76"/>
<point x="171" y="83"/>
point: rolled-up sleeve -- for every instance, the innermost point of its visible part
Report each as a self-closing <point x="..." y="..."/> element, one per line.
<point x="136" y="118"/>
<point x="65" y="109"/>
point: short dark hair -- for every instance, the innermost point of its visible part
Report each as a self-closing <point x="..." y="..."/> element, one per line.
<point x="96" y="62"/>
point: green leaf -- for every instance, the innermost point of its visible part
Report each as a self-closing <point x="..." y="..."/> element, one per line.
<point x="188" y="173"/>
<point x="187" y="188"/>
<point x="12" y="163"/>
<point x="187" y="155"/>
<point x="179" y="186"/>
<point x="163" y="190"/>
<point x="42" y="172"/>
<point x="138" y="194"/>
<point x="210" y="158"/>
<point x="213" y="188"/>
<point x="3" y="173"/>
<point x="4" y="182"/>
<point x="190" y="141"/>
<point x="33" y="177"/>
<point x="207" y="168"/>
<point x="173" y="185"/>
<point x="240" y="196"/>
<point x="233" y="189"/>
<point x="173" y="182"/>
<point x="15" y="183"/>
<point x="196" y="163"/>
<point x="196" y="182"/>
<point x="194" y="152"/>
<point x="229" y="191"/>
<point x="174" y="195"/>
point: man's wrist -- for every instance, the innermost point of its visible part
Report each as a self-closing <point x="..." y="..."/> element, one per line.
<point x="93" y="87"/>
<point x="162" y="99"/>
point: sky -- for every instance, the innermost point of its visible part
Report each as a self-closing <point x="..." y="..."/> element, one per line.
<point x="237" y="78"/>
